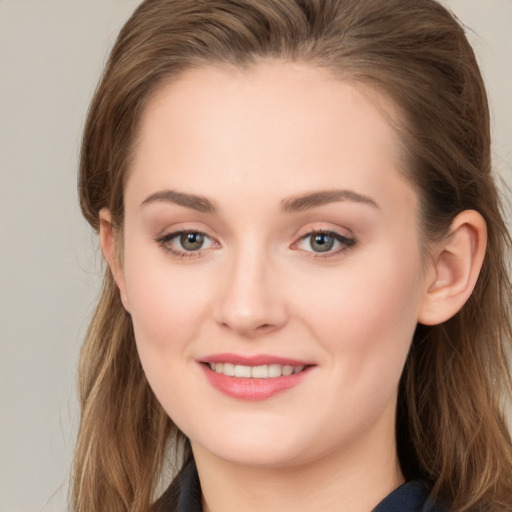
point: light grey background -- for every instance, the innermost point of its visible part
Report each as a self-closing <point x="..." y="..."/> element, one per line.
<point x="51" y="55"/>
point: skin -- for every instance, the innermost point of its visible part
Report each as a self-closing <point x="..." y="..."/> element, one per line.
<point x="249" y="142"/>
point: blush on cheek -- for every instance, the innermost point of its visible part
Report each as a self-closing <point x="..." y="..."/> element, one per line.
<point x="167" y="312"/>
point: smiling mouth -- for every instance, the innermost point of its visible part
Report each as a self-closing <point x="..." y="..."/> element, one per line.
<point x="254" y="378"/>
<point x="266" y="371"/>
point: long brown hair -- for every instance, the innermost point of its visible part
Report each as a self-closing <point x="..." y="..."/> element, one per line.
<point x="451" y="431"/>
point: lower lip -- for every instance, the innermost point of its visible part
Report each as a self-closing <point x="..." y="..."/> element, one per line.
<point x="252" y="389"/>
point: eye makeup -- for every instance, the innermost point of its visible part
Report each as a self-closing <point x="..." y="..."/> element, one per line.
<point x="324" y="243"/>
<point x="192" y="243"/>
<point x="188" y="243"/>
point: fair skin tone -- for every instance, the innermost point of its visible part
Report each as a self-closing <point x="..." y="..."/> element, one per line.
<point x="266" y="223"/>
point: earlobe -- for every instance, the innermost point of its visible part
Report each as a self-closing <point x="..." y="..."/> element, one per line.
<point x="456" y="262"/>
<point x="111" y="253"/>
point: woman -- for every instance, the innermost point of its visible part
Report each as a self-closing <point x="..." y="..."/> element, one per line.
<point x="306" y="304"/>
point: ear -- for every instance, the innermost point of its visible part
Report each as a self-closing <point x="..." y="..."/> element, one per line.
<point x="456" y="263"/>
<point x="111" y="253"/>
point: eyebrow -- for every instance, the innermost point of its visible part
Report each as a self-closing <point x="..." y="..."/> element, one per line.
<point x="315" y="199"/>
<point x="288" y="205"/>
<point x="199" y="203"/>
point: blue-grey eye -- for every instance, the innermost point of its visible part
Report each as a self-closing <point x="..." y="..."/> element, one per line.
<point x="192" y="241"/>
<point x="324" y="242"/>
<point x="186" y="244"/>
<point x="321" y="242"/>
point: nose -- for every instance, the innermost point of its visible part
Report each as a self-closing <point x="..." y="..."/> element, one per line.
<point x="251" y="301"/>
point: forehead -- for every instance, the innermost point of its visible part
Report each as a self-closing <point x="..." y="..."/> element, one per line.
<point x="274" y="123"/>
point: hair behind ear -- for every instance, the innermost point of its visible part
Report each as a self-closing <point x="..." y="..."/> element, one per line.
<point x="123" y="429"/>
<point x="457" y="373"/>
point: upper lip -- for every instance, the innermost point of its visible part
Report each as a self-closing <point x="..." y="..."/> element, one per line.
<point x="253" y="360"/>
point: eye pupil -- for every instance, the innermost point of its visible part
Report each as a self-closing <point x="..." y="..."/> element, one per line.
<point x="321" y="242"/>
<point x="191" y="241"/>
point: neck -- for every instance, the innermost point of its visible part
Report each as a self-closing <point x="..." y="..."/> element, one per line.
<point x="346" y="479"/>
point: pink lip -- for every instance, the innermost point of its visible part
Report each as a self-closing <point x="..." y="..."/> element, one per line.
<point x="251" y="388"/>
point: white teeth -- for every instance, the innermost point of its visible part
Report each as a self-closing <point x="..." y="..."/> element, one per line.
<point x="287" y="370"/>
<point x="255" y="372"/>
<point x="242" y="371"/>
<point x="275" y="370"/>
<point x="259" y="372"/>
<point x="229" y="369"/>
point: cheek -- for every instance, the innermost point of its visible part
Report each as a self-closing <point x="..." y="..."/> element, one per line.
<point x="167" y="316"/>
<point x="164" y="301"/>
<point x="366" y="313"/>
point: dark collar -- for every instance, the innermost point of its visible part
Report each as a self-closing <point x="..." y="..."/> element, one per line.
<point x="184" y="495"/>
<point x="412" y="496"/>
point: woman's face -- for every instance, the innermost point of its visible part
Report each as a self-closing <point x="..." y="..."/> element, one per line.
<point x="269" y="234"/>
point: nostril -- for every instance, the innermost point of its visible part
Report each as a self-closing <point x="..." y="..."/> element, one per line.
<point x="258" y="329"/>
<point x="264" y="327"/>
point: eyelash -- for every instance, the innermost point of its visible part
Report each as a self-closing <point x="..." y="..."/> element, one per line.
<point x="345" y="242"/>
<point x="183" y="255"/>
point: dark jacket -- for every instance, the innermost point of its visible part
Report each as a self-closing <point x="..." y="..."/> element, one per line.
<point x="184" y="495"/>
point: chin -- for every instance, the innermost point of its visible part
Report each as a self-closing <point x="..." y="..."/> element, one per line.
<point x="268" y="457"/>
<point x="271" y="454"/>
<point x="259" y="447"/>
